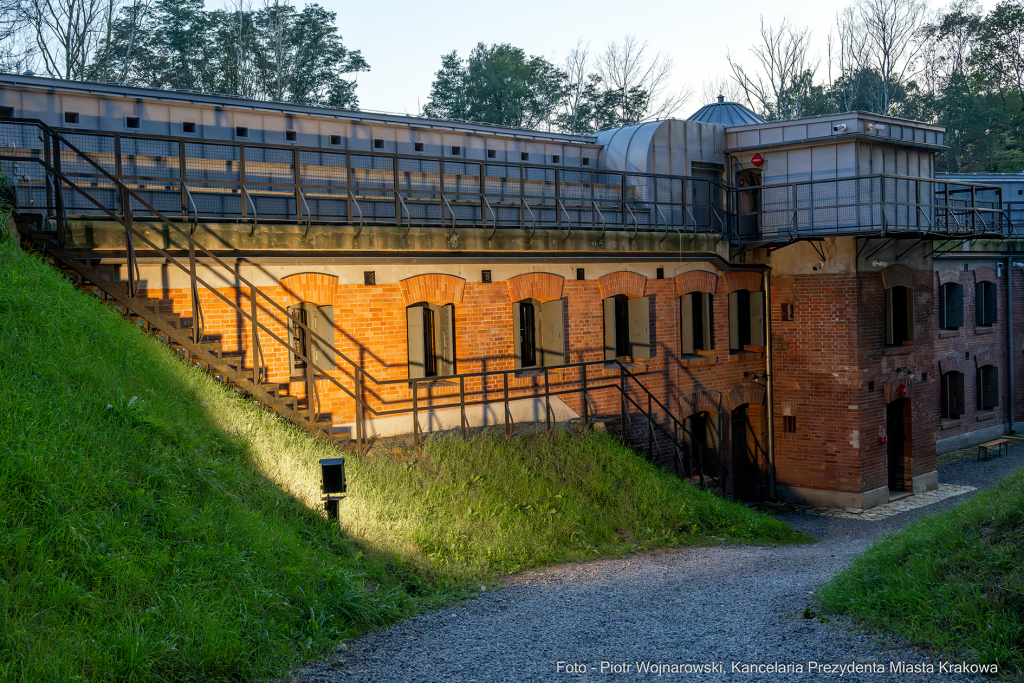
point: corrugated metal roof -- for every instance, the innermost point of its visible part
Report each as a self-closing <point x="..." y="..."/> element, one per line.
<point x="726" y="114"/>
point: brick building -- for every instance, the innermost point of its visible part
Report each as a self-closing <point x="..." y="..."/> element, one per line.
<point x="796" y="309"/>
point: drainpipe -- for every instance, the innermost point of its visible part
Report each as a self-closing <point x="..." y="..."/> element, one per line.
<point x="771" y="381"/>
<point x="1009" y="334"/>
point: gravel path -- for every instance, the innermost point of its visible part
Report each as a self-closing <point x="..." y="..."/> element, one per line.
<point x="696" y="606"/>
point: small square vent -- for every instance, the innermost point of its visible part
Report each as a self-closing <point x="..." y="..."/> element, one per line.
<point x="485" y="276"/>
<point x="369" y="277"/>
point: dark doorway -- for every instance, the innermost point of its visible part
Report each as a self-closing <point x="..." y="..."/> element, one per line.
<point x="700" y="454"/>
<point x="749" y="202"/>
<point x="748" y="475"/>
<point x="897" y="427"/>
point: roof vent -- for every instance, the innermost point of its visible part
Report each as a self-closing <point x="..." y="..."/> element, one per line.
<point x="721" y="99"/>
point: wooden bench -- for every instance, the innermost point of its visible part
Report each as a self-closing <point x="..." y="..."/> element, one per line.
<point x="1001" y="446"/>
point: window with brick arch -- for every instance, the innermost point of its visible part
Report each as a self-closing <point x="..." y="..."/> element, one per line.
<point x="627" y="328"/>
<point x="538" y="333"/>
<point x="985" y="304"/>
<point x="696" y="323"/>
<point x="988" y="387"/>
<point x="746" y="320"/>
<point x="899" y="316"/>
<point x="431" y="340"/>
<point x="951" y="306"/>
<point x="952" y="395"/>
<point x="310" y="336"/>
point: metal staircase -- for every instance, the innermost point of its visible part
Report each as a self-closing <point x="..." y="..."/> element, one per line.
<point x="663" y="442"/>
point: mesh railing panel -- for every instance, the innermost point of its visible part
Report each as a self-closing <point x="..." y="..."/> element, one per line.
<point x="207" y="161"/>
<point x="141" y="157"/>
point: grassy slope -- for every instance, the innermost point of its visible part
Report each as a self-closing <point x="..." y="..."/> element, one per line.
<point x="954" y="581"/>
<point x="153" y="526"/>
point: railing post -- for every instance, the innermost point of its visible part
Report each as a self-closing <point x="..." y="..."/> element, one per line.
<point x="650" y="428"/>
<point x="58" y="190"/>
<point x="415" y="412"/>
<point x="462" y="407"/>
<point x="241" y="180"/>
<point x="296" y="175"/>
<point x="255" y="333"/>
<point x="195" y="292"/>
<point x="547" y="400"/>
<point x="508" y="432"/>
<point x="358" y="374"/>
<point x="586" y="408"/>
<point x="624" y="409"/>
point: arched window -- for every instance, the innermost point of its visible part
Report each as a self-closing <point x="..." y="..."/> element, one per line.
<point x="538" y="333"/>
<point x="988" y="387"/>
<point x="899" y="315"/>
<point x="320" y="320"/>
<point x="431" y="340"/>
<point x="627" y="328"/>
<point x="746" y="319"/>
<point x="952" y="395"/>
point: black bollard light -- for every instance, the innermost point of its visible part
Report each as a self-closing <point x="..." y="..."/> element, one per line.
<point x="333" y="472"/>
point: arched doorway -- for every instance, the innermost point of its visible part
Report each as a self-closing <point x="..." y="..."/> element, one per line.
<point x="899" y="442"/>
<point x="749" y="455"/>
<point x="701" y="460"/>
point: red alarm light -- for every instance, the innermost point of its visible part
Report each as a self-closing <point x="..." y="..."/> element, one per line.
<point x="757" y="160"/>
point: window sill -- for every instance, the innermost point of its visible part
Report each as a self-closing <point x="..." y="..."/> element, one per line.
<point x="696" y="360"/>
<point x="537" y="372"/>
<point x="897" y="350"/>
<point x="949" y="424"/>
<point x="946" y="334"/>
<point x="981" y="417"/>
<point x="743" y="356"/>
<point x="634" y="368"/>
<point x="427" y="382"/>
<point x="983" y="330"/>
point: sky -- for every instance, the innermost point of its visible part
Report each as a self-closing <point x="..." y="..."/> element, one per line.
<point x="403" y="40"/>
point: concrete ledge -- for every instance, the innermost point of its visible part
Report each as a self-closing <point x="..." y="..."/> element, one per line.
<point x="926" y="482"/>
<point x="441" y="419"/>
<point x="969" y="439"/>
<point x="836" y="499"/>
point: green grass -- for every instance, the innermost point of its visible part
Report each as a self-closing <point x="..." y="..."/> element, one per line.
<point x="953" y="581"/>
<point x="154" y="525"/>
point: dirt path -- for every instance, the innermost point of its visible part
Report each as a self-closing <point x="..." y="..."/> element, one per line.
<point x="702" y="607"/>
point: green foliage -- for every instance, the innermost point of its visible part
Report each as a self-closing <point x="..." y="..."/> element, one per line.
<point x="497" y="84"/>
<point x="274" y="53"/>
<point x="155" y="525"/>
<point x="485" y="505"/>
<point x="954" y="580"/>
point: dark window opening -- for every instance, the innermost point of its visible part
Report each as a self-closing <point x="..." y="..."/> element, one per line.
<point x="581" y="274"/>
<point x="7" y="112"/>
<point x="586" y="161"/>
<point x="985" y="304"/>
<point x="431" y="340"/>
<point x="133" y="122"/>
<point x="899" y="316"/>
<point x="988" y="387"/>
<point x="871" y="386"/>
<point x="188" y="127"/>
<point x="746" y="320"/>
<point x="418" y="146"/>
<point x="320" y="321"/>
<point x="789" y="423"/>
<point x="291" y="135"/>
<point x="241" y="131"/>
<point x="697" y="322"/>
<point x="335" y="139"/>
<point x="456" y="151"/>
<point x="378" y="144"/>
<point x="627" y="332"/>
<point x="71" y="117"/>
<point x="491" y="154"/>
<point x="527" y="334"/>
<point x="787" y="312"/>
<point x="555" y="158"/>
<point x="661" y="273"/>
<point x="952" y="393"/>
<point x="951" y="306"/>
<point x="369" y="277"/>
<point x="525" y="156"/>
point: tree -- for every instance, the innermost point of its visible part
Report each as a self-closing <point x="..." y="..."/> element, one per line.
<point x="70" y="35"/>
<point x="781" y="85"/>
<point x="636" y="85"/>
<point x="497" y="84"/>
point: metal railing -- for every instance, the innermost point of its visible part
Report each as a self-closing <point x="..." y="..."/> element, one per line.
<point x="351" y="380"/>
<point x="216" y="181"/>
<point x="880" y="205"/>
